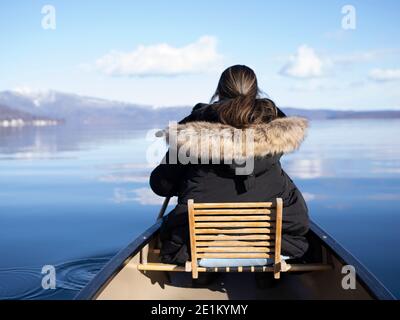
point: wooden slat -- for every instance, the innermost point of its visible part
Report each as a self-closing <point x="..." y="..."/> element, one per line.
<point x="278" y="238"/>
<point x="240" y="231"/>
<point x="192" y="239"/>
<point x="233" y="218"/>
<point x="233" y="249"/>
<point x="233" y="211"/>
<point x="234" y="205"/>
<point x="234" y="243"/>
<point x="233" y="255"/>
<point x="221" y="237"/>
<point x="159" y="267"/>
<point x="234" y="224"/>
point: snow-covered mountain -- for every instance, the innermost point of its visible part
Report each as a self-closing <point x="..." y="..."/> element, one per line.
<point x="81" y="110"/>
<point x="76" y="109"/>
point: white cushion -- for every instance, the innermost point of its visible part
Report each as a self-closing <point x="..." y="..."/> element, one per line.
<point x="240" y="262"/>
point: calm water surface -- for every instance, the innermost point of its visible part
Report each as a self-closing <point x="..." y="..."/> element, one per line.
<point x="72" y="198"/>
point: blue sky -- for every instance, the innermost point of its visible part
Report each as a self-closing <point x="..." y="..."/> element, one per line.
<point x="172" y="52"/>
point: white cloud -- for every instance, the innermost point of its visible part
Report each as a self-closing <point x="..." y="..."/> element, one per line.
<point x="163" y="59"/>
<point x="307" y="64"/>
<point x="304" y="64"/>
<point x="383" y="75"/>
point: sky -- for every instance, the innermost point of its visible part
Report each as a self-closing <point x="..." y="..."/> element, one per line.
<point x="310" y="54"/>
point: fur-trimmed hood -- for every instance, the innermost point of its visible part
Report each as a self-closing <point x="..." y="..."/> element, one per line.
<point x="202" y="138"/>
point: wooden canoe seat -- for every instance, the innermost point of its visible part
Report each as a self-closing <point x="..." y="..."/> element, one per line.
<point x="243" y="230"/>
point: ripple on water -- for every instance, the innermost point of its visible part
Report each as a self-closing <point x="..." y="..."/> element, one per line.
<point x="26" y="283"/>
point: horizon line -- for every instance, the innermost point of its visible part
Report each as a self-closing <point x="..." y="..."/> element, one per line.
<point x="154" y="106"/>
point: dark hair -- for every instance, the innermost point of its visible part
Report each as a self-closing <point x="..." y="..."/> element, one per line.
<point x="239" y="103"/>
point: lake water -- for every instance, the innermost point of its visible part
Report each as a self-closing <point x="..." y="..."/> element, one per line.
<point x="72" y="198"/>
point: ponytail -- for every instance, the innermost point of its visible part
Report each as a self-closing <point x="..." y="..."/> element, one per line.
<point x="238" y="105"/>
<point x="236" y="112"/>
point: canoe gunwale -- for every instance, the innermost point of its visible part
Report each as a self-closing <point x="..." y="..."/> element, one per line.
<point x="373" y="286"/>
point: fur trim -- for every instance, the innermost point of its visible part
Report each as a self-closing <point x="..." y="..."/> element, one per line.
<point x="282" y="135"/>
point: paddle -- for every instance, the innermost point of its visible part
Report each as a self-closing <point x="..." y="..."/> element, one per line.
<point x="163" y="208"/>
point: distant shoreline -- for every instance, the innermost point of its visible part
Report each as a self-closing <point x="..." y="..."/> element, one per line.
<point x="54" y="108"/>
<point x="16" y="123"/>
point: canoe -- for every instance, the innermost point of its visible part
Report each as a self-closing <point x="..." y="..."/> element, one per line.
<point x="120" y="279"/>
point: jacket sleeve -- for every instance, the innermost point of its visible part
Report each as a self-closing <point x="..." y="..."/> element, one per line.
<point x="165" y="178"/>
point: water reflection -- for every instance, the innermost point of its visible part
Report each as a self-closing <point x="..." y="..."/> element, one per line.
<point x="49" y="141"/>
<point x="307" y="168"/>
<point x="352" y="149"/>
<point x="142" y="196"/>
<point x="78" y="195"/>
<point x="71" y="276"/>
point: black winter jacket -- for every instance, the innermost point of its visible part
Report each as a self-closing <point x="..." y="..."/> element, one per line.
<point x="208" y="182"/>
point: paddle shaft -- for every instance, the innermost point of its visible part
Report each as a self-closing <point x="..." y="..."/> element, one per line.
<point x="163" y="208"/>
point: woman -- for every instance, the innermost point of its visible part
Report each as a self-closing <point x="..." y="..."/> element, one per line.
<point x="235" y="106"/>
